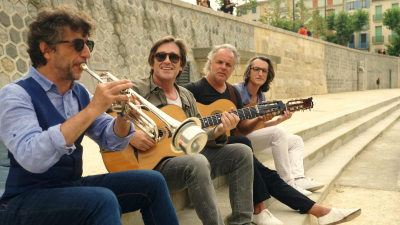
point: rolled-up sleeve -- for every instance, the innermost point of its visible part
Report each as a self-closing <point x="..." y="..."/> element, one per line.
<point x="102" y="132"/>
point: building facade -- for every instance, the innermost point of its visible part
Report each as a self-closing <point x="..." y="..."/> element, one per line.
<point x="380" y="34"/>
<point x="359" y="40"/>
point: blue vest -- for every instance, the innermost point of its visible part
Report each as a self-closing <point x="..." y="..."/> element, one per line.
<point x="68" y="168"/>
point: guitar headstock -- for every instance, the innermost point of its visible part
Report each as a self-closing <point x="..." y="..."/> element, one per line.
<point x="299" y="104"/>
<point x="271" y="107"/>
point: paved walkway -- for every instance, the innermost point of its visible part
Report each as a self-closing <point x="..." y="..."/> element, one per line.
<point x="372" y="182"/>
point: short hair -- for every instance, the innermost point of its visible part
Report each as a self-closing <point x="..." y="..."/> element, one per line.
<point x="182" y="50"/>
<point x="213" y="52"/>
<point x="49" y="27"/>
<point x="270" y="77"/>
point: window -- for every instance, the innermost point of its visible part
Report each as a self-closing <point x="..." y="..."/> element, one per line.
<point x="254" y="10"/>
<point x="378" y="13"/>
<point x="396" y="5"/>
<point x="315" y="3"/>
<point x="351" y="5"/>
<point x="364" y="4"/>
<point x="363" y="38"/>
<point x="255" y="20"/>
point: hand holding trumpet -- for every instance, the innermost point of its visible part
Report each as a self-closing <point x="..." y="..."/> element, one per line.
<point x="108" y="93"/>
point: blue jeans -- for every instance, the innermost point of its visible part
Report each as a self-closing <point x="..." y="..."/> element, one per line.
<point x="99" y="199"/>
<point x="196" y="174"/>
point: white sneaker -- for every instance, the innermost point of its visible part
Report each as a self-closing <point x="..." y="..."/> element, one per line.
<point x="266" y="218"/>
<point x="309" y="184"/>
<point x="301" y="190"/>
<point x="336" y="216"/>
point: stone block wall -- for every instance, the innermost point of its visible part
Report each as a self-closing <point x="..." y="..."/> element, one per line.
<point x="301" y="70"/>
<point x="126" y="29"/>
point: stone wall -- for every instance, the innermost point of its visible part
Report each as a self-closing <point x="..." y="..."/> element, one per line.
<point x="126" y="29"/>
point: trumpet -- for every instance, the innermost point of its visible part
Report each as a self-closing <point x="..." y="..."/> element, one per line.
<point x="187" y="136"/>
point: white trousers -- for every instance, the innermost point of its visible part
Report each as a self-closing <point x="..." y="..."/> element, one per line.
<point x="287" y="151"/>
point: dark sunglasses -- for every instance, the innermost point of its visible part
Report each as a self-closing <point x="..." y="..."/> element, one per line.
<point x="161" y="56"/>
<point x="79" y="44"/>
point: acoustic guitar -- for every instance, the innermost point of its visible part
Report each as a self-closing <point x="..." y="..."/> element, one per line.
<point x="133" y="159"/>
<point x="224" y="105"/>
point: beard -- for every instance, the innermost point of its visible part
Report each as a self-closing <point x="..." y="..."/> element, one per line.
<point x="65" y="69"/>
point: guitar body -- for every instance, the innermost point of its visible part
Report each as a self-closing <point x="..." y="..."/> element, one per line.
<point x="216" y="107"/>
<point x="116" y="161"/>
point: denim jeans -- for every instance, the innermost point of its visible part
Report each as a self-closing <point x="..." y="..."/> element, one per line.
<point x="196" y="174"/>
<point x="267" y="182"/>
<point x="98" y="199"/>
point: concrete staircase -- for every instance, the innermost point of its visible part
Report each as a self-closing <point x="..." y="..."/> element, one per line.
<point x="338" y="128"/>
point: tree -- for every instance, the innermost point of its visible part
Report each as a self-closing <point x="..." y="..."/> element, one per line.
<point x="278" y="15"/>
<point x="394" y="48"/>
<point x="246" y="6"/>
<point x="345" y="25"/>
<point x="318" y="25"/>
<point x="391" y="19"/>
<point x="302" y="13"/>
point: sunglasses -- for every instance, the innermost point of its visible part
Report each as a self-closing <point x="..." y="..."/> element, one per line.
<point x="79" y="44"/>
<point x="161" y="56"/>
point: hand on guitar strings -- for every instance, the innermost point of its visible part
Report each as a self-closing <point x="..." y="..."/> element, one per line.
<point x="229" y="121"/>
<point x="141" y="141"/>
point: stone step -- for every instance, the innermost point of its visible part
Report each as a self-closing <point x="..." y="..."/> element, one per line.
<point x="320" y="146"/>
<point x="330" y="168"/>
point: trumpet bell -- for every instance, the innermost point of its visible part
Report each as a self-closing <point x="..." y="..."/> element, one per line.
<point x="189" y="137"/>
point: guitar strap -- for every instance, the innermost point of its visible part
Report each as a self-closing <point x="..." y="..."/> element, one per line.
<point x="232" y="97"/>
<point x="232" y="94"/>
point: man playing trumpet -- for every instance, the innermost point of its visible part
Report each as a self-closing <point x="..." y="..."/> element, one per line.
<point x="43" y="118"/>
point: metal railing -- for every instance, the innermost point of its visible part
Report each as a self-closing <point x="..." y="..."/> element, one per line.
<point x="377" y="17"/>
<point x="363" y="45"/>
<point x="378" y="39"/>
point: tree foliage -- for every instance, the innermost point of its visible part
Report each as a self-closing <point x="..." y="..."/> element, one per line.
<point x="246" y="5"/>
<point x="345" y="24"/>
<point x="302" y="13"/>
<point x="391" y="19"/>
<point x="318" y="25"/>
<point x="394" y="48"/>
<point x="278" y="15"/>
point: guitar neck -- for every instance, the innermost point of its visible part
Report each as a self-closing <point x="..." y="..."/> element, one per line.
<point x="243" y="114"/>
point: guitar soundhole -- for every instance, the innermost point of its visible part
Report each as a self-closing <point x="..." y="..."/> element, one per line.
<point x="216" y="112"/>
<point x="162" y="133"/>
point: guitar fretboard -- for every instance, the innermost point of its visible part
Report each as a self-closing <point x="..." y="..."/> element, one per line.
<point x="243" y="114"/>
